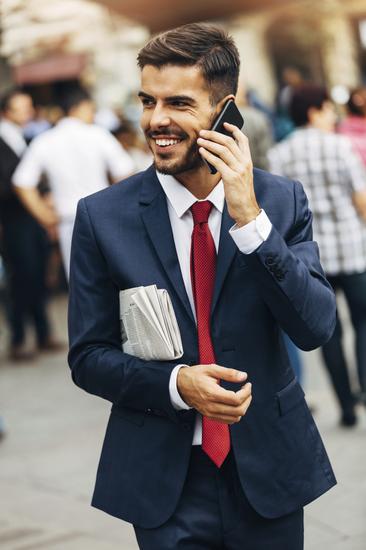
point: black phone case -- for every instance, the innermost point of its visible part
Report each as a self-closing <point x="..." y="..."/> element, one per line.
<point x="230" y="114"/>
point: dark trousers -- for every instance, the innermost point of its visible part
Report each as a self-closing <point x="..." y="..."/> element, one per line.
<point x="354" y="288"/>
<point x="25" y="248"/>
<point x="214" y="514"/>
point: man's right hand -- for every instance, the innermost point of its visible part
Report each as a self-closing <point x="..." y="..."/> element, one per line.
<point x="199" y="387"/>
<point x="41" y="209"/>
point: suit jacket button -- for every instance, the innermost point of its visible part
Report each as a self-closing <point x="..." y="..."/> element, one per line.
<point x="269" y="260"/>
<point x="186" y="427"/>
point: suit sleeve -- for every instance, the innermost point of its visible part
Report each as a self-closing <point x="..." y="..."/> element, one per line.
<point x="97" y="362"/>
<point x="292" y="281"/>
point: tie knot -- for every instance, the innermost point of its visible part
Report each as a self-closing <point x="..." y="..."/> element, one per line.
<point x="201" y="211"/>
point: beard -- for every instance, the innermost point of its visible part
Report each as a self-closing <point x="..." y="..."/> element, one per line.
<point x="189" y="161"/>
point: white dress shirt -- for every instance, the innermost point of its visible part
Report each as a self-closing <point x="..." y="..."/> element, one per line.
<point x="247" y="238"/>
<point x="76" y="158"/>
<point x="12" y="134"/>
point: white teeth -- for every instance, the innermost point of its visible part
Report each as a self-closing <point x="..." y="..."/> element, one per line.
<point x="165" y="142"/>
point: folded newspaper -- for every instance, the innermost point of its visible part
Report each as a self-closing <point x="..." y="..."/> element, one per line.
<point x="149" y="328"/>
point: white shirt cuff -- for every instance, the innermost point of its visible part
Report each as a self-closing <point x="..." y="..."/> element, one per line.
<point x="249" y="237"/>
<point x="175" y="398"/>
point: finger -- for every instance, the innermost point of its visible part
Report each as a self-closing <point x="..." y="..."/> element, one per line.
<point x="223" y="139"/>
<point x="225" y="373"/>
<point x="247" y="404"/>
<point x="240" y="138"/>
<point x="217" y="395"/>
<point x="218" y="163"/>
<point x="244" y="392"/>
<point x="220" y="409"/>
<point x="230" y="418"/>
<point x="221" y="151"/>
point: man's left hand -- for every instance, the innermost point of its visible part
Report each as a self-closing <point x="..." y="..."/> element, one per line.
<point x="231" y="157"/>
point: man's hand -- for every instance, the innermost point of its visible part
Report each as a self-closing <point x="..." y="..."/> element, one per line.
<point x="41" y="209"/>
<point x="359" y="201"/>
<point x="200" y="389"/>
<point x="231" y="157"/>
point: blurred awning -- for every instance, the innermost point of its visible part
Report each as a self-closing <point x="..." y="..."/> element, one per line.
<point x="55" y="67"/>
<point x="158" y="15"/>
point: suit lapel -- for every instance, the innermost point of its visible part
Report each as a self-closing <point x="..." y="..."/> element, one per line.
<point x="226" y="253"/>
<point x="155" y="216"/>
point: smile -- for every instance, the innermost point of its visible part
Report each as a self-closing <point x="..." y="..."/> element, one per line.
<point x="166" y="142"/>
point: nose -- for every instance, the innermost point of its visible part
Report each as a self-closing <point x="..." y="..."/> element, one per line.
<point x="159" y="118"/>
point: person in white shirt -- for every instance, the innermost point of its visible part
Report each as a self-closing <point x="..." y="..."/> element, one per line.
<point x="78" y="158"/>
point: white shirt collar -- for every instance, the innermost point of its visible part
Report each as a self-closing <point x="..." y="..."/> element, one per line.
<point x="181" y="199"/>
<point x="70" y="120"/>
<point x="13" y="136"/>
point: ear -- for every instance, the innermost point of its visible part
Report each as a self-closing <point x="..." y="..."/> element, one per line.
<point x="358" y="100"/>
<point x="223" y="101"/>
<point x="312" y="114"/>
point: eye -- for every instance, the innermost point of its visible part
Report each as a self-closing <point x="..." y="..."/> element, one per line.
<point x="147" y="102"/>
<point x="179" y="103"/>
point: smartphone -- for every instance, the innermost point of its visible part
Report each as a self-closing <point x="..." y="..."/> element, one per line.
<point x="231" y="114"/>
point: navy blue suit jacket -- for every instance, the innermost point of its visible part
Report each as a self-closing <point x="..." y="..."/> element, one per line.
<point x="123" y="239"/>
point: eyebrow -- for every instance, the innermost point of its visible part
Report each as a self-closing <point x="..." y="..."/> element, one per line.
<point x="186" y="98"/>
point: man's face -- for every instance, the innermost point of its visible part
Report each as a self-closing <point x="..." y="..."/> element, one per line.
<point x="20" y="109"/>
<point x="176" y="106"/>
<point x="328" y="116"/>
<point x="86" y="111"/>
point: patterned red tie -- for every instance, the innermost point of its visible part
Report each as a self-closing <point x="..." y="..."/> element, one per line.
<point x="215" y="435"/>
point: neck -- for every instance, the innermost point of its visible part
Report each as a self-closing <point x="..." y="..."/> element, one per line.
<point x="9" y="121"/>
<point x="200" y="182"/>
<point x="319" y="126"/>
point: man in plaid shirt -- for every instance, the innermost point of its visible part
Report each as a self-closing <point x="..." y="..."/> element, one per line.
<point x="334" y="179"/>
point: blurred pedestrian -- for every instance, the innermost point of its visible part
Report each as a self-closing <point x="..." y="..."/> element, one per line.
<point x="78" y="158"/>
<point x="331" y="173"/>
<point x="38" y="124"/>
<point x="257" y="128"/>
<point x="291" y="80"/>
<point x="354" y="124"/>
<point x="2" y="428"/>
<point x="129" y="138"/>
<point x="24" y="242"/>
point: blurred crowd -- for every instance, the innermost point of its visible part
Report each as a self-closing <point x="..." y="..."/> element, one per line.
<point x="53" y="155"/>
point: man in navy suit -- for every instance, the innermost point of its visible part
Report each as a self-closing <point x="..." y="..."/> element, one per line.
<point x="193" y="463"/>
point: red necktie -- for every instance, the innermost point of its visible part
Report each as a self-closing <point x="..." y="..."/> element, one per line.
<point x="215" y="435"/>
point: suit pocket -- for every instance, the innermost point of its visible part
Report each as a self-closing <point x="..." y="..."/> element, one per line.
<point x="130" y="415"/>
<point x="290" y="396"/>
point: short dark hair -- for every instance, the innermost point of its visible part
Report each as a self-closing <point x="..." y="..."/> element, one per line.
<point x="8" y="97"/>
<point x="304" y="98"/>
<point x="207" y="46"/>
<point x="73" y="97"/>
<point x="354" y="107"/>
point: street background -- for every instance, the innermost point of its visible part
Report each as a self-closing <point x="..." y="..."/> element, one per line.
<point x="53" y="431"/>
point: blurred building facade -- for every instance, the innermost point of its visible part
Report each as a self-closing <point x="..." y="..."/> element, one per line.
<point x="47" y="43"/>
<point x="326" y="40"/>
